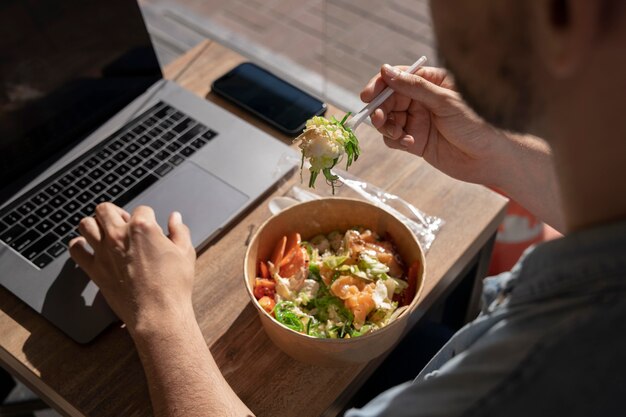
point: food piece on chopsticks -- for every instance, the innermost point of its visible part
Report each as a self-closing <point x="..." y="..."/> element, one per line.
<point x="323" y="143"/>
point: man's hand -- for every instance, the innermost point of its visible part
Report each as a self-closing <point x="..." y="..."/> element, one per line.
<point x="146" y="276"/>
<point x="428" y="118"/>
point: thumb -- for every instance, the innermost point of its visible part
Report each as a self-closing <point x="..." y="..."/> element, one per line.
<point x="414" y="87"/>
<point x="179" y="232"/>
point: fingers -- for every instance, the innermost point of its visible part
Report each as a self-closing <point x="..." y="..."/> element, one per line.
<point x="80" y="254"/>
<point x="89" y="229"/>
<point x="375" y="86"/>
<point x="179" y="232"/>
<point x="414" y="86"/>
<point x="143" y="220"/>
<point x="112" y="219"/>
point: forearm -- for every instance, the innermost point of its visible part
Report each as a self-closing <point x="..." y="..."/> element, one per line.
<point x="183" y="378"/>
<point x="527" y="175"/>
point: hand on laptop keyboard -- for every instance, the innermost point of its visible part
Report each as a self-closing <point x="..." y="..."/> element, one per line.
<point x="145" y="276"/>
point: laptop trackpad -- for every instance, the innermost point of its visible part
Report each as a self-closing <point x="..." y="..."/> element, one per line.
<point x="205" y="202"/>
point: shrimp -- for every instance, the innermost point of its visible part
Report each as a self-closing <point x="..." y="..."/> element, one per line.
<point x="357" y="296"/>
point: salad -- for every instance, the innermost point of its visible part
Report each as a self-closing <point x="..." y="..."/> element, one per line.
<point x="339" y="285"/>
<point x="323" y="142"/>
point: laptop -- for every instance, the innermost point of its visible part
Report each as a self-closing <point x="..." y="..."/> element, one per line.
<point x="86" y="117"/>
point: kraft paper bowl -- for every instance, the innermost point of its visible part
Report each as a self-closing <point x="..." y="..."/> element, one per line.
<point x="324" y="216"/>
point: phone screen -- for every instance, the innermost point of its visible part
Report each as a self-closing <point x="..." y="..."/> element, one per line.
<point x="276" y="101"/>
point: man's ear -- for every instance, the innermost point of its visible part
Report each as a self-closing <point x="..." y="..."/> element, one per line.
<point x="564" y="33"/>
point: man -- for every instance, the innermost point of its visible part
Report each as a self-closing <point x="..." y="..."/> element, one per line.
<point x="553" y="341"/>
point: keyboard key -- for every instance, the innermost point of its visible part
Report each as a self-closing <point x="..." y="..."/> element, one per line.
<point x="134" y="161"/>
<point x="12" y="234"/>
<point x="157" y="144"/>
<point x="96" y="173"/>
<point x="210" y="134"/>
<point x="89" y="210"/>
<point x="40" y="198"/>
<point x="42" y="261"/>
<point x="188" y="151"/>
<point x="150" y="122"/>
<point x="173" y="147"/>
<point x="192" y="133"/>
<point x="70" y="191"/>
<point x="176" y="159"/>
<point x="150" y="164"/>
<point x="128" y="181"/>
<point x="167" y="136"/>
<point x="92" y="162"/>
<point x="116" y="146"/>
<point x="139" y="172"/>
<point x="74" y="219"/>
<point x="57" y="201"/>
<point x="138" y="130"/>
<point x="26" y="209"/>
<point x="12" y="218"/>
<point x="132" y="148"/>
<point x="85" y="197"/>
<point x="108" y="165"/>
<point x="183" y="125"/>
<point x="128" y="137"/>
<point x="136" y="190"/>
<point x="71" y="206"/>
<point x="84" y="182"/>
<point x="163" y="169"/>
<point x="145" y="153"/>
<point x="163" y="112"/>
<point x="44" y="226"/>
<point x="56" y="250"/>
<point x="102" y="198"/>
<point x="30" y="221"/>
<point x="66" y="180"/>
<point x="39" y="246"/>
<point x="97" y="188"/>
<point x="120" y="156"/>
<point x="43" y="211"/>
<point x="104" y="154"/>
<point x="122" y="169"/>
<point x="176" y="115"/>
<point x="162" y="155"/>
<point x="79" y="172"/>
<point x="115" y="190"/>
<point x="143" y="139"/>
<point x="198" y="143"/>
<point x="25" y="240"/>
<point x="58" y="216"/>
<point x="110" y="178"/>
<point x="63" y="229"/>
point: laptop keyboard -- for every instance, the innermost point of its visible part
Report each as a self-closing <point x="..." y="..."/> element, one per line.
<point x="40" y="225"/>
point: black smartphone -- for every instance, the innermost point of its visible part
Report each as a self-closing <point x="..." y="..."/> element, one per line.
<point x="273" y="100"/>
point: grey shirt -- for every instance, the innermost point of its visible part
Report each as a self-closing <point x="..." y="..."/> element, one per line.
<point x="550" y="341"/>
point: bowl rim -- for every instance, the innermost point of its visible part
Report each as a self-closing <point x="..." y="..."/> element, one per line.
<point x="412" y="306"/>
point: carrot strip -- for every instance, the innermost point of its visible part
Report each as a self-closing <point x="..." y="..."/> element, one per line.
<point x="264" y="271"/>
<point x="279" y="251"/>
<point x="293" y="241"/>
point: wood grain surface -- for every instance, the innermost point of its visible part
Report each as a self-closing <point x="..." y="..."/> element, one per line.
<point x="105" y="378"/>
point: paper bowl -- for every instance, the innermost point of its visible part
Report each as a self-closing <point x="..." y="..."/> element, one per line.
<point x="324" y="216"/>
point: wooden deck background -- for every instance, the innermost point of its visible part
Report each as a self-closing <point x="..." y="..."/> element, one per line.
<point x="328" y="47"/>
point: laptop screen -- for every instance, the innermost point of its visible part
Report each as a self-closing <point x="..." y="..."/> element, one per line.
<point x="66" y="66"/>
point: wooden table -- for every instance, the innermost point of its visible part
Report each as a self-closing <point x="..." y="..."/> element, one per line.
<point x="105" y="378"/>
